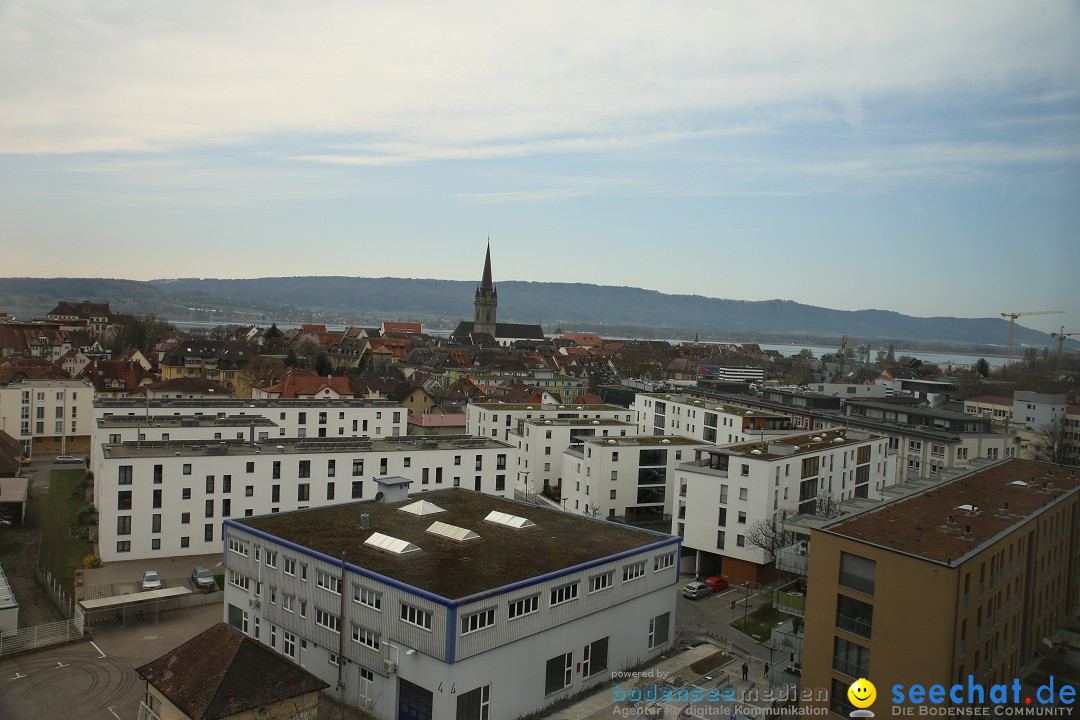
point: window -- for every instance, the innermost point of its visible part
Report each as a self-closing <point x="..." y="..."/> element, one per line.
<point x="185" y="542"/>
<point x="328" y="582"/>
<point x="857" y="617"/>
<point x="857" y="573"/>
<point x="185" y="518"/>
<point x="415" y="616"/>
<point x="289" y="566"/>
<point x="226" y="483"/>
<point x="850" y="659"/>
<point x="743" y="494"/>
<point x="123" y="500"/>
<point x="740" y="540"/>
<point x="288" y="602"/>
<point x="365" y="637"/>
<point x="559" y="673"/>
<point x="742" y="517"/>
<point x="185" y="494"/>
<point x="271" y="558"/>
<point x="357" y="467"/>
<point x="327" y="620"/>
<point x="125" y="475"/>
<point x="720" y="539"/>
<point x="275" y="473"/>
<point x="238" y="547"/>
<point x="475" y="704"/>
<point x="288" y="643"/>
<point x="658" y="630"/>
<point x="305" y="469"/>
<point x="331" y="468"/>
<point x="303" y="492"/>
<point x="745" y="470"/>
<point x="407" y="462"/>
<point x="633" y="572"/>
<point x="601" y="581"/>
<point x="250" y="467"/>
<point x="275" y="493"/>
<point x="563" y="594"/>
<point x="368" y="597"/>
<point x="663" y="562"/>
<point x="500" y="483"/>
<point x="187" y="468"/>
<point x="209" y="508"/>
<point x="209" y="484"/>
<point x="123" y="525"/>
<point x="239" y="580"/>
<point x="249" y="491"/>
<point x="524" y="606"/>
<point x="123" y="546"/>
<point x="208" y="532"/>
<point x="357" y="489"/>
<point x="477" y="621"/>
<point x="594" y="658"/>
<point x="155" y="523"/>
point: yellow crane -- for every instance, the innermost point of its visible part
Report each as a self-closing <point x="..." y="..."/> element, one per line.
<point x="1012" y="321"/>
<point x="1061" y="335"/>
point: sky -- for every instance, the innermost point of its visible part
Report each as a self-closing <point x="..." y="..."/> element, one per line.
<point x="921" y="157"/>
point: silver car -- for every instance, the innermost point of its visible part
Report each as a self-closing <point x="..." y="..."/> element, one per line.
<point x="696" y="590"/>
<point x="151" y="580"/>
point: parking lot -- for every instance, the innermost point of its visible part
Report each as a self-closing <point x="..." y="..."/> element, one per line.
<point x="95" y="680"/>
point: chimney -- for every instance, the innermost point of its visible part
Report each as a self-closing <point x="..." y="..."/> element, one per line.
<point x="950" y="522"/>
<point x="365" y="521"/>
<point x="967" y="533"/>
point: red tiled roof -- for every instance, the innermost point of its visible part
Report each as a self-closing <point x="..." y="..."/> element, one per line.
<point x="221" y="672"/>
<point x="405" y="328"/>
<point x="296" y="386"/>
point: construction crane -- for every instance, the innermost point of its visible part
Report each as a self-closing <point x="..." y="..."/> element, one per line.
<point x="1061" y="335"/>
<point x="1012" y="321"/>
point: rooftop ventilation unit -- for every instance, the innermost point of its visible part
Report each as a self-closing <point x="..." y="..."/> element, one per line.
<point x="513" y="521"/>
<point x="453" y="532"/>
<point x="391" y="544"/>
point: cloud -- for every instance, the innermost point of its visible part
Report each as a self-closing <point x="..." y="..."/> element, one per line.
<point x="430" y="81"/>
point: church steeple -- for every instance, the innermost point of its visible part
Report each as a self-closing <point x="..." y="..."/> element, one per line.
<point x="487" y="300"/>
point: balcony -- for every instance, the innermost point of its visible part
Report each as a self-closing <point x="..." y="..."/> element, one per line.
<point x="145" y="713"/>
<point x="794" y="558"/>
<point x="703" y="467"/>
<point x="791" y="599"/>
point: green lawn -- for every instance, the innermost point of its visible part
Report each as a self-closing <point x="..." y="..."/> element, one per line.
<point x="759" y="624"/>
<point x="56" y="513"/>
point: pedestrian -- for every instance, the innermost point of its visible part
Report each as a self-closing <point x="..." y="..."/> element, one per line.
<point x="745" y="671"/>
<point x="766" y="670"/>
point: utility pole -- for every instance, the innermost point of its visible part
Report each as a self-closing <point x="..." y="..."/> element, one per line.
<point x="746" y="605"/>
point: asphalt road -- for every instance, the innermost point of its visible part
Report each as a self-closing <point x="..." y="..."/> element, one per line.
<point x="95" y="680"/>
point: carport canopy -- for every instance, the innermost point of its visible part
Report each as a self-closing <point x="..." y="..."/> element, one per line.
<point x="140" y="598"/>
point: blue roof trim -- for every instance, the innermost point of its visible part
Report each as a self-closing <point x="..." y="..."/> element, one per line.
<point x="363" y="572"/>
<point x="672" y="540"/>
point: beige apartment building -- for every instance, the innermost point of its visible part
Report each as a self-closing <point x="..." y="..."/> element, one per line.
<point x="964" y="577"/>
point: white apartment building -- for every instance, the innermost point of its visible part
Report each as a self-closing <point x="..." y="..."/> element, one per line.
<point x="117" y="429"/>
<point x="497" y="420"/>
<point x="48" y="416"/>
<point x="540" y="445"/>
<point x="158" y="499"/>
<point x="294" y="418"/>
<point x="724" y="491"/>
<point x="708" y="420"/>
<point x="458" y="606"/>
<point x="626" y="477"/>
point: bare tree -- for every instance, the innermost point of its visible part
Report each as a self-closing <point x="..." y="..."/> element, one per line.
<point x="1051" y="445"/>
<point x="769" y="535"/>
<point x="826" y="506"/>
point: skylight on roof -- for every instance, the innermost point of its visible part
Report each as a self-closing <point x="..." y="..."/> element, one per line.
<point x="391" y="544"/>
<point x="452" y="532"/>
<point x="422" y="507"/>
<point x="508" y="520"/>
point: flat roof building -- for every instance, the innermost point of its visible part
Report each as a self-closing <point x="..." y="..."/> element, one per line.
<point x="454" y="604"/>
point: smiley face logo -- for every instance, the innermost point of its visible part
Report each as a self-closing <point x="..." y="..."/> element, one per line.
<point x="862" y="693"/>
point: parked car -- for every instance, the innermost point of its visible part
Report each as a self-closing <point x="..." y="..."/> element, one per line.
<point x="696" y="590"/>
<point x="201" y="577"/>
<point x="716" y="584"/>
<point x="69" y="460"/>
<point x="151" y="580"/>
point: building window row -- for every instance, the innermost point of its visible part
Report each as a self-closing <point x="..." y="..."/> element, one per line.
<point x="477" y="621"/>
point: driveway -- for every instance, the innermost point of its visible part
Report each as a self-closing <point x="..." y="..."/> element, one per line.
<point x="95" y="680"/>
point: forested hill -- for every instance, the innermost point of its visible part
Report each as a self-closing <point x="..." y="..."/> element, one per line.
<point x="566" y="304"/>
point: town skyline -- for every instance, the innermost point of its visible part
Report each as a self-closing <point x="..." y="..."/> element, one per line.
<point x="920" y="159"/>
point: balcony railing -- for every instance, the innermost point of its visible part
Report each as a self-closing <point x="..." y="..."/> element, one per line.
<point x="145" y="713"/>
<point x="790" y="601"/>
<point x="853" y="625"/>
<point x="794" y="558"/>
<point x="849" y="667"/>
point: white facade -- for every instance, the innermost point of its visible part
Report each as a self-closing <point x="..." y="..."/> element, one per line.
<point x="1035" y="411"/>
<point x="717" y="423"/>
<point x="626" y="477"/>
<point x="497" y="420"/>
<point x="853" y="390"/>
<point x="509" y="644"/>
<point x="726" y="490"/>
<point x="167" y="499"/>
<point x="47" y="414"/>
<point x="294" y="418"/>
<point x="540" y="444"/>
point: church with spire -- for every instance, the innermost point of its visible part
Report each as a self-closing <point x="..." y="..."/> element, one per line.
<point x="485" y="329"/>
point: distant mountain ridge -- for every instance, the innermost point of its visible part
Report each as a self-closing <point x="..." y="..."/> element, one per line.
<point x="568" y="304"/>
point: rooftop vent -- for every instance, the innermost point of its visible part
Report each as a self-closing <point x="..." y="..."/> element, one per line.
<point x="950" y="522"/>
<point x="1003" y="511"/>
<point x="391" y="544"/>
<point x="969" y="509"/>
<point x="595" y="422"/>
<point x="612" y="442"/>
<point x="514" y="521"/>
<point x="1018" y="483"/>
<point x="422" y="507"/>
<point x="665" y="441"/>
<point x="452" y="532"/>
<point x="365" y="521"/>
<point x="967" y="533"/>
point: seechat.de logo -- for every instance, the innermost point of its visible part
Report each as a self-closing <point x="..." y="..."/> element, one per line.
<point x="862" y="695"/>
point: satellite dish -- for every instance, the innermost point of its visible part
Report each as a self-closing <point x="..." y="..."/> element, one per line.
<point x="379" y="496"/>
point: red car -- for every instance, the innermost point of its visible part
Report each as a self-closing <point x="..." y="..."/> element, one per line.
<point x="716" y="584"/>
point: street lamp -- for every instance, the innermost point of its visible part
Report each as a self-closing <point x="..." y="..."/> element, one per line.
<point x="746" y="604"/>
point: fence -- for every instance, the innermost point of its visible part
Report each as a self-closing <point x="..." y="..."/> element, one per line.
<point x="60" y="595"/>
<point x="40" y="636"/>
